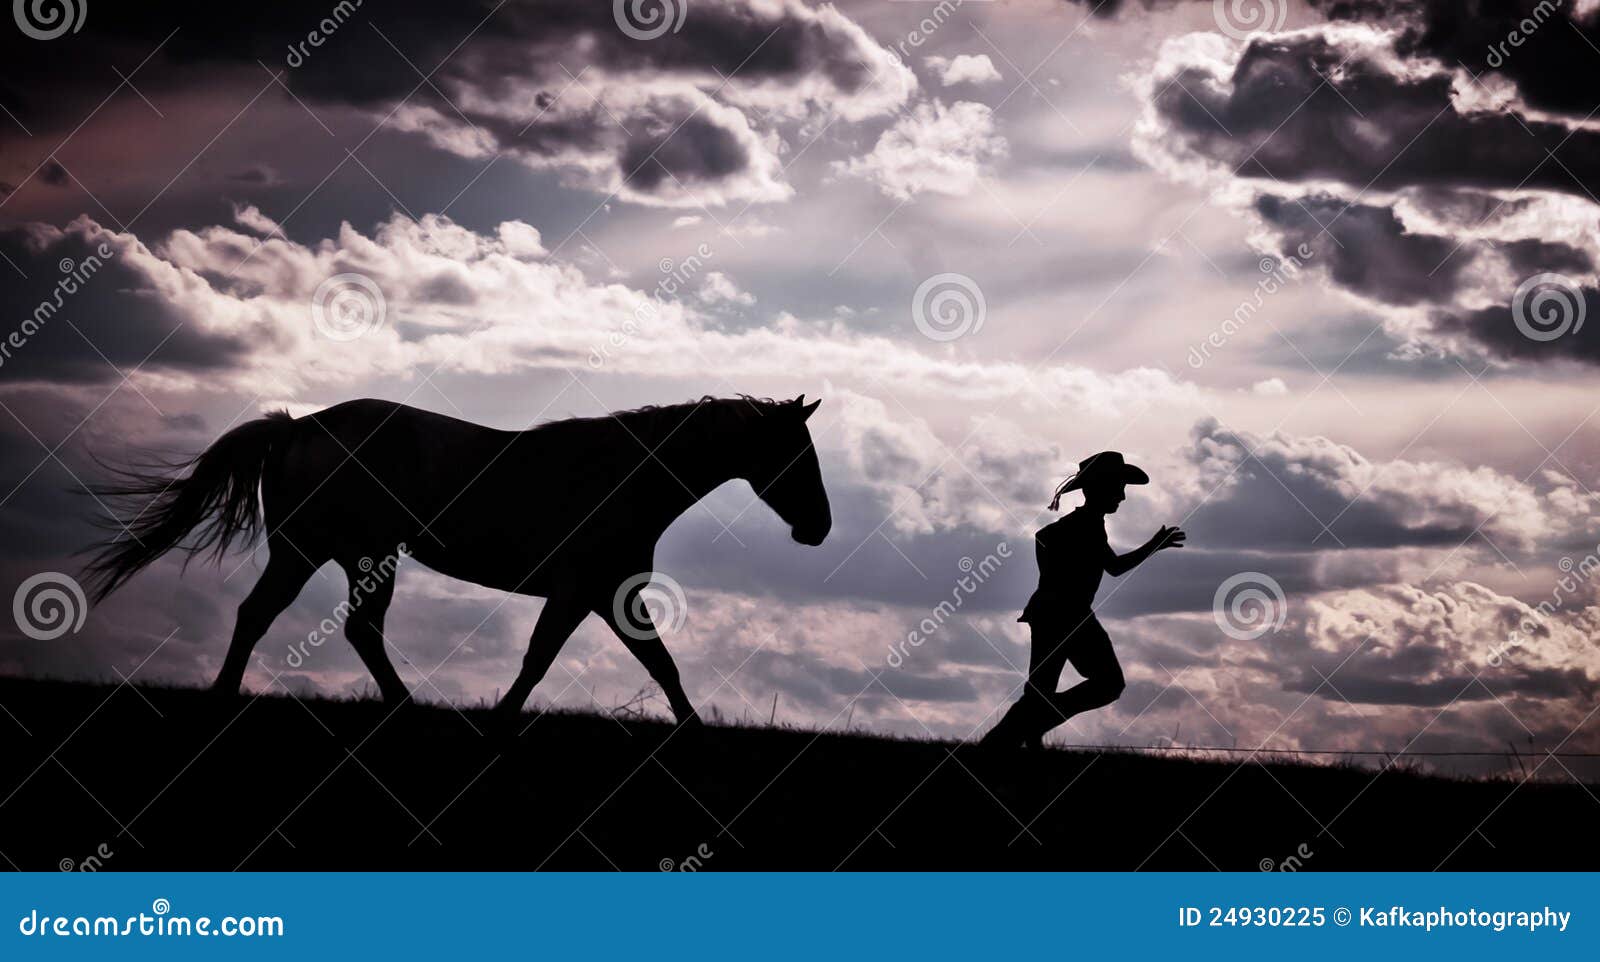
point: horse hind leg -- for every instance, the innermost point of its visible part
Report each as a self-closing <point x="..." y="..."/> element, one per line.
<point x="371" y="591"/>
<point x="557" y="621"/>
<point x="286" y="573"/>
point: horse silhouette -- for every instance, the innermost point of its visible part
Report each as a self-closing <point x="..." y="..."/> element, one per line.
<point x="569" y="510"/>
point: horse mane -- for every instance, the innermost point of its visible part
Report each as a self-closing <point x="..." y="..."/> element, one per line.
<point x="657" y="419"/>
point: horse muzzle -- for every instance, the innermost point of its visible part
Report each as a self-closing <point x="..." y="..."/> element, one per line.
<point x="811" y="535"/>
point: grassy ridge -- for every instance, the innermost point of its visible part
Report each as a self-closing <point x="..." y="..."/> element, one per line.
<point x="162" y="778"/>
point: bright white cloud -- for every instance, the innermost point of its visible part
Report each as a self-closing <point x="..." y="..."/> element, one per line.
<point x="719" y="290"/>
<point x="964" y="68"/>
<point x="934" y="149"/>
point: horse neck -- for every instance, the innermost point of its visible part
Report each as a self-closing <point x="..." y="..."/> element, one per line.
<point x="699" y="460"/>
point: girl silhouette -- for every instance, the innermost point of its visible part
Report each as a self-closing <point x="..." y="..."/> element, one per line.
<point x="1073" y="553"/>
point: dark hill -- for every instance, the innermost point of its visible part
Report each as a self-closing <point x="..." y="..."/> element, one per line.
<point x="136" y="777"/>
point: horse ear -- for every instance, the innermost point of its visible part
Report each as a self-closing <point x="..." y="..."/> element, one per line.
<point x="799" y="400"/>
<point x="806" y="410"/>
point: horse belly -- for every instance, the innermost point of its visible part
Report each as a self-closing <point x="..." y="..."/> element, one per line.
<point x="505" y="554"/>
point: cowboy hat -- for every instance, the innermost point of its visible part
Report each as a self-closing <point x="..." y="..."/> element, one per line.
<point x="1105" y="467"/>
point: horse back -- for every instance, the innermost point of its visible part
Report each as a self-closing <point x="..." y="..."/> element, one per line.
<point x="499" y="508"/>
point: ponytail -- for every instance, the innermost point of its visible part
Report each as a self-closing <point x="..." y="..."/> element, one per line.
<point x="1055" y="502"/>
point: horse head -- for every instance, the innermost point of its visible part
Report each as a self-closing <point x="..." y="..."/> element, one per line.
<point x="782" y="468"/>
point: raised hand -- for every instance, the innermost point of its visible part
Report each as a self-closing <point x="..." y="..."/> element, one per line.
<point x="1168" y="537"/>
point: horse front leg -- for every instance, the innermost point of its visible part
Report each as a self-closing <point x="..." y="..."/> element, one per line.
<point x="632" y="624"/>
<point x="557" y="622"/>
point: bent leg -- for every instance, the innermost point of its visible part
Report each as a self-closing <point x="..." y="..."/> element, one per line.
<point x="286" y="573"/>
<point x="370" y="594"/>
<point x="638" y="634"/>
<point x="1028" y="720"/>
<point x="557" y="622"/>
<point x="1092" y="656"/>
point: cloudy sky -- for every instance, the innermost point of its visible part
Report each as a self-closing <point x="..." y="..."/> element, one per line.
<point x="1322" y="268"/>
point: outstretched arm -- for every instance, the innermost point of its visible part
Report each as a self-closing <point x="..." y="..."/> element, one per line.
<point x="1167" y="537"/>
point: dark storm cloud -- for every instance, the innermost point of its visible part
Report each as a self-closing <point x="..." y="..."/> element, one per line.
<point x="694" y="144"/>
<point x="1392" y="645"/>
<point x="1552" y="64"/>
<point x="1428" y="197"/>
<point x="259" y="175"/>
<point x="821" y="685"/>
<point x="1561" y="336"/>
<point x="1468" y="206"/>
<point x="1276" y="493"/>
<point x="504" y="83"/>
<point x="1530" y="256"/>
<point x="1301" y="107"/>
<point x="1366" y="248"/>
<point x="54" y="174"/>
<point x="83" y="313"/>
<point x="1367" y="684"/>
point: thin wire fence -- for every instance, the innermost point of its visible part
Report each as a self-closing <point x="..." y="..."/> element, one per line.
<point x="1329" y="751"/>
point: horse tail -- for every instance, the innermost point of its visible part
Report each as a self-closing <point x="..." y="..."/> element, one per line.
<point x="210" y="508"/>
